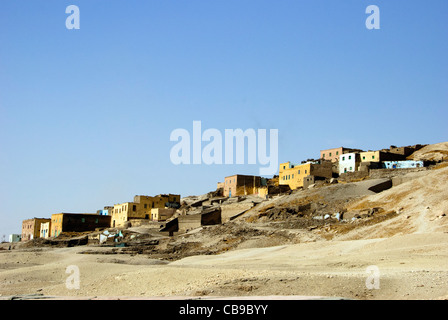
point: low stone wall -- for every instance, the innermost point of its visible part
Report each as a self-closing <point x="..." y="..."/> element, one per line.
<point x="189" y="222"/>
<point x="230" y="210"/>
<point x="390" y="173"/>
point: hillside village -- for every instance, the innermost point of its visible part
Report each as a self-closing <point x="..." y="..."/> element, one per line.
<point x="236" y="195"/>
<point x="312" y="230"/>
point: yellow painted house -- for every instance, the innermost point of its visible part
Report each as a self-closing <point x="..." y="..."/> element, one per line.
<point x="294" y="175"/>
<point x="141" y="207"/>
<point x="370" y="156"/>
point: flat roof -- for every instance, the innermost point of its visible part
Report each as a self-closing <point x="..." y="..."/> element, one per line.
<point x="243" y="175"/>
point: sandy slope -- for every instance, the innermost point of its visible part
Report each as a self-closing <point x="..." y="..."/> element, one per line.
<point x="410" y="251"/>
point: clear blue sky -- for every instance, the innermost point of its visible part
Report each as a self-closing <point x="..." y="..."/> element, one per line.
<point x="86" y="115"/>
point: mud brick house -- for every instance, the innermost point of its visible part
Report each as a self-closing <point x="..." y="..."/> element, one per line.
<point x="45" y="229"/>
<point x="241" y="185"/>
<point x="299" y="175"/>
<point x="185" y="223"/>
<point x="162" y="214"/>
<point x="349" y="162"/>
<point x="31" y="228"/>
<point x="379" y="156"/>
<point x="77" y="222"/>
<point x="334" y="153"/>
<point x="405" y="151"/>
<point x="141" y="208"/>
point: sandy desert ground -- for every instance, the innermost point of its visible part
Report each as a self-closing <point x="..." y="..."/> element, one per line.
<point x="409" y="250"/>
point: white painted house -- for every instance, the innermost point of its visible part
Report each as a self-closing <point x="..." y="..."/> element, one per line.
<point x="349" y="162"/>
<point x="15" y="237"/>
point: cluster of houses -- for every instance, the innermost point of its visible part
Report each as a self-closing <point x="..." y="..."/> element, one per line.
<point x="157" y="208"/>
<point x="331" y="163"/>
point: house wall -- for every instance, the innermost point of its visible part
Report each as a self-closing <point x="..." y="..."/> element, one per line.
<point x="294" y="175"/>
<point x="159" y="214"/>
<point x="378" y="156"/>
<point x="45" y="230"/>
<point x="240" y="185"/>
<point x="77" y="222"/>
<point x="124" y="211"/>
<point x="370" y="156"/>
<point x="331" y="154"/>
<point x="107" y="211"/>
<point x="158" y="201"/>
<point x="403" y="164"/>
<point x="31" y="228"/>
<point x="307" y="181"/>
<point x="334" y="154"/>
<point x="189" y="222"/>
<point x="141" y="207"/>
<point x="349" y="162"/>
<point x="323" y="169"/>
<point x="15" y="237"/>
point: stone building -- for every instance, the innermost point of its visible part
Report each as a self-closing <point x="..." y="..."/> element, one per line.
<point x="379" y="156"/>
<point x="162" y="214"/>
<point x="295" y="175"/>
<point x="405" y="151"/>
<point x="45" y="229"/>
<point x="31" y="228"/>
<point x="407" y="164"/>
<point x="349" y="162"/>
<point x="77" y="222"/>
<point x="241" y="185"/>
<point x="15" y="237"/>
<point x="141" y="207"/>
<point x="334" y="153"/>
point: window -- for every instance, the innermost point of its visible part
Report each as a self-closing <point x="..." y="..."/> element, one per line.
<point x="299" y="172"/>
<point x="329" y="154"/>
<point x="83" y="220"/>
<point x="364" y="158"/>
<point x="145" y="205"/>
<point x="96" y="220"/>
<point x="343" y="158"/>
<point x="284" y="167"/>
<point x="337" y="153"/>
<point x="349" y="157"/>
<point x="306" y="171"/>
<point x="323" y="155"/>
<point x="351" y="169"/>
<point x="373" y="157"/>
<point x="134" y="208"/>
<point x="293" y="175"/>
